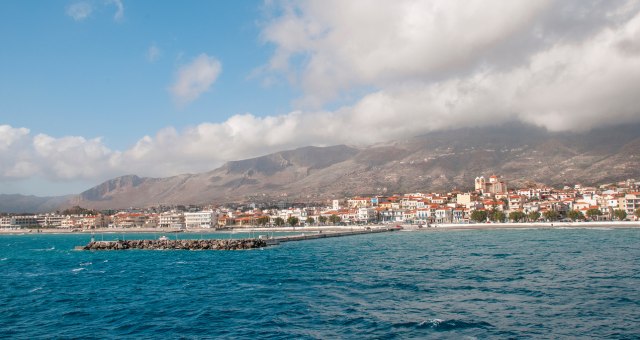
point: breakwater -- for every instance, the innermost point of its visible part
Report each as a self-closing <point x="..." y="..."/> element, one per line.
<point x="303" y="237"/>
<point x="218" y="244"/>
<point x="212" y="244"/>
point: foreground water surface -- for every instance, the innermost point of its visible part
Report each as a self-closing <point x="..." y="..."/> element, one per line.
<point x="462" y="284"/>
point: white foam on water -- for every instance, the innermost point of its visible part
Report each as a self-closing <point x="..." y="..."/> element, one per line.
<point x="78" y="269"/>
<point x="45" y="249"/>
<point x="4" y="259"/>
<point x="35" y="289"/>
<point x="86" y="263"/>
<point x="432" y="322"/>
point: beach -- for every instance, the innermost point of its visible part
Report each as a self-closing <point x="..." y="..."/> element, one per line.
<point x="406" y="227"/>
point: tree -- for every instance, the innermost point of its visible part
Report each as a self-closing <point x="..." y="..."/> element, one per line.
<point x="593" y="213"/>
<point x="620" y="214"/>
<point x="293" y="221"/>
<point x="491" y="213"/>
<point x="279" y="221"/>
<point x="498" y="216"/>
<point x="263" y="220"/>
<point x="637" y="213"/>
<point x="78" y="210"/>
<point x="335" y="219"/>
<point x="516" y="216"/>
<point x="310" y="220"/>
<point x="575" y="215"/>
<point x="533" y="216"/>
<point x="479" y="215"/>
<point x="551" y="215"/>
<point x="322" y="219"/>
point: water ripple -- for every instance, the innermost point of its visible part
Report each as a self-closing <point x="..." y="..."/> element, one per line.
<point x="460" y="285"/>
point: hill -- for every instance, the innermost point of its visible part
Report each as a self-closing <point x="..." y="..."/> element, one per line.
<point x="436" y="161"/>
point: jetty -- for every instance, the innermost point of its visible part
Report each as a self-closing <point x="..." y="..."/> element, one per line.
<point x="220" y="244"/>
<point x="304" y="236"/>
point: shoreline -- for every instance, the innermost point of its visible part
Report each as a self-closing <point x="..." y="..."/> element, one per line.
<point x="537" y="225"/>
<point x="406" y="227"/>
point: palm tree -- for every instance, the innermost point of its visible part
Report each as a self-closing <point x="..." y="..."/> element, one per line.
<point x="335" y="219"/>
<point x="594" y="213"/>
<point x="322" y="219"/>
<point x="620" y="214"/>
<point x="479" y="215"/>
<point x="292" y="220"/>
<point x="533" y="216"/>
<point x="263" y="220"/>
<point x="551" y="215"/>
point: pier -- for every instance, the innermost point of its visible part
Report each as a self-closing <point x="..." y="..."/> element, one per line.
<point x="219" y="244"/>
<point x="303" y="237"/>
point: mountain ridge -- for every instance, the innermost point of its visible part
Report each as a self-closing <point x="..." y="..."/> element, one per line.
<point x="441" y="160"/>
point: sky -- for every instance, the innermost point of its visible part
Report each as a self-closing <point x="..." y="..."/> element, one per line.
<point x="95" y="89"/>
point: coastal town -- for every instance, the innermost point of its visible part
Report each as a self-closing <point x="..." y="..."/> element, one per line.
<point x="491" y="201"/>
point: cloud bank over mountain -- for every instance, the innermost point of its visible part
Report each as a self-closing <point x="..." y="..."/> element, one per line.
<point x="390" y="70"/>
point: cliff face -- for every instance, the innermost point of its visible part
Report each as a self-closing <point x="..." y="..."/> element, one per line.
<point x="436" y="161"/>
<point x="112" y="187"/>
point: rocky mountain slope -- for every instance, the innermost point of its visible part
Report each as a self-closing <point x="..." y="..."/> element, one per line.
<point x="16" y="203"/>
<point x="436" y="161"/>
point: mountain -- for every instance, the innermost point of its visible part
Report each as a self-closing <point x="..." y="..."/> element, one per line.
<point x="441" y="160"/>
<point x="16" y="203"/>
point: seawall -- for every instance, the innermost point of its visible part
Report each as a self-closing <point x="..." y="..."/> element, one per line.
<point x="212" y="244"/>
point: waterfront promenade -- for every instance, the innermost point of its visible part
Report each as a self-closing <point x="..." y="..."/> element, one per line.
<point x="406" y="227"/>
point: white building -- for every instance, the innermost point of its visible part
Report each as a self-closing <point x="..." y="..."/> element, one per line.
<point x="201" y="219"/>
<point x="171" y="219"/>
<point x="5" y="222"/>
<point x="464" y="200"/>
<point x="366" y="214"/>
<point x="18" y="221"/>
<point x="50" y="220"/>
<point x="336" y="204"/>
<point x="632" y="202"/>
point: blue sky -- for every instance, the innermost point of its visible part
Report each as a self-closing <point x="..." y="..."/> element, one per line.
<point x="95" y="89"/>
<point x="95" y="76"/>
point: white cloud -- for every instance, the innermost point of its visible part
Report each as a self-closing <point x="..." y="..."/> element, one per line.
<point x="193" y="79"/>
<point x="352" y="43"/>
<point x="79" y="10"/>
<point x="429" y="69"/>
<point x="439" y="64"/>
<point x="72" y="157"/>
<point x="119" y="15"/>
<point x="10" y="135"/>
<point x="153" y="53"/>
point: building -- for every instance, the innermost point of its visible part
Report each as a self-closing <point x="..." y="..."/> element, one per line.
<point x="631" y="202"/>
<point x="171" y="219"/>
<point x="495" y="185"/>
<point x="201" y="219"/>
<point x="50" y="220"/>
<point x="336" y="204"/>
<point x="464" y="200"/>
<point x="19" y="221"/>
<point x="366" y="215"/>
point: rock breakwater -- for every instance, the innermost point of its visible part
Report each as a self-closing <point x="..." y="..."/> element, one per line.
<point x="240" y="244"/>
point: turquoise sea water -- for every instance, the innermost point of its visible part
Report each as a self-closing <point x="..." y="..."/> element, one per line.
<point x="455" y="284"/>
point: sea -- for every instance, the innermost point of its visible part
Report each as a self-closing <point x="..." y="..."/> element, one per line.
<point x="474" y="284"/>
